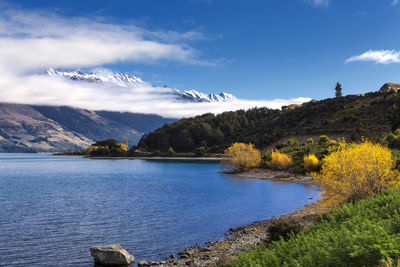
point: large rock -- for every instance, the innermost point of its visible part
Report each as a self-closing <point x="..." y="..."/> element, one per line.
<point x="387" y="87"/>
<point x="111" y="255"/>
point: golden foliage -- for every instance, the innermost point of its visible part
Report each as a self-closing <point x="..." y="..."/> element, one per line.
<point x="311" y="163"/>
<point x="124" y="147"/>
<point x="243" y="156"/>
<point x="280" y="161"/>
<point x="357" y="171"/>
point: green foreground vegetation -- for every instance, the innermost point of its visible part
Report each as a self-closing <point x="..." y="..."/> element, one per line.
<point x="364" y="233"/>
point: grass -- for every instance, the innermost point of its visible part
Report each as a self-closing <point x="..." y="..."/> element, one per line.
<point x="365" y="233"/>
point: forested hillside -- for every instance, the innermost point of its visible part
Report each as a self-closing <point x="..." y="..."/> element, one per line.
<point x="372" y="115"/>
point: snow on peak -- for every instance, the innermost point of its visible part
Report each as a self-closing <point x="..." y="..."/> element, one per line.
<point x="195" y="96"/>
<point x="126" y="80"/>
<point x="100" y="76"/>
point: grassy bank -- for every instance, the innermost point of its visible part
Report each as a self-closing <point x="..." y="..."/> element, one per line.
<point x="364" y="233"/>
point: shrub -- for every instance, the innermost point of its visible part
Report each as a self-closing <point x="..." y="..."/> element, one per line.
<point x="311" y="163"/>
<point x="364" y="233"/>
<point x="124" y="147"/>
<point x="357" y="171"/>
<point x="283" y="228"/>
<point x="324" y="140"/>
<point x="310" y="141"/>
<point x="280" y="161"/>
<point x="171" y="151"/>
<point x="393" y="139"/>
<point x="200" y="151"/>
<point x="242" y="156"/>
<point x="292" y="142"/>
<point x="109" y="147"/>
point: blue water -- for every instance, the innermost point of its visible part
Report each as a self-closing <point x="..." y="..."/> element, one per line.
<point x="53" y="209"/>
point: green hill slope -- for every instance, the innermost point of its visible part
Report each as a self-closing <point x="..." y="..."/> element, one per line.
<point x="365" y="233"/>
<point x="372" y="115"/>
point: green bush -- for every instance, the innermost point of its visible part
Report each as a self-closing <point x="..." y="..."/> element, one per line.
<point x="171" y="151"/>
<point x="107" y="148"/>
<point x="393" y="139"/>
<point x="297" y="154"/>
<point x="364" y="233"/>
<point x="283" y="228"/>
<point x="310" y="141"/>
<point x="200" y="151"/>
<point x="324" y="140"/>
<point x="292" y="142"/>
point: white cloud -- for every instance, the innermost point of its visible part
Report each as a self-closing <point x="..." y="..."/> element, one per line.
<point x="319" y="3"/>
<point x="33" y="41"/>
<point x="325" y="3"/>
<point x="377" y="56"/>
<point x="53" y="90"/>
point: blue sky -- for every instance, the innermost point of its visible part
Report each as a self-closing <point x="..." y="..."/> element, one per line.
<point x="255" y="49"/>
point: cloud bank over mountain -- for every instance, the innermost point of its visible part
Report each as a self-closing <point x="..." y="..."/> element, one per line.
<point x="31" y="42"/>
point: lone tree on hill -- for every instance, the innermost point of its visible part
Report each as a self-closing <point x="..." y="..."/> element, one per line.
<point x="338" y="90"/>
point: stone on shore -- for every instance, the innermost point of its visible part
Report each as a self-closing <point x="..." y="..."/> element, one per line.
<point x="111" y="255"/>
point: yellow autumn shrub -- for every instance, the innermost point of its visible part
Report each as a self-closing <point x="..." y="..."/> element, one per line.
<point x="356" y="171"/>
<point x="242" y="156"/>
<point x="280" y="161"/>
<point x="311" y="163"/>
<point x="124" y="147"/>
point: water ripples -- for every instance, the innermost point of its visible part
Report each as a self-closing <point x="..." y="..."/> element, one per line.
<point x="53" y="209"/>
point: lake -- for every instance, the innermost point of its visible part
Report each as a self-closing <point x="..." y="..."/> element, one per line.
<point x="53" y="209"/>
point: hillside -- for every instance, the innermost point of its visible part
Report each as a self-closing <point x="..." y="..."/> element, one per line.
<point x="28" y="128"/>
<point x="372" y="115"/>
<point x="361" y="233"/>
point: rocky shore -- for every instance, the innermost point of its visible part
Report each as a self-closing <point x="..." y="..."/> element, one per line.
<point x="244" y="238"/>
<point x="278" y="176"/>
<point x="239" y="240"/>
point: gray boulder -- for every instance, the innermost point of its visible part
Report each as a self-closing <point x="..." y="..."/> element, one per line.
<point x="111" y="255"/>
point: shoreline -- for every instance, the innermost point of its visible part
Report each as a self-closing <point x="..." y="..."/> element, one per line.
<point x="243" y="238"/>
<point x="237" y="240"/>
<point x="161" y="158"/>
<point x="277" y="176"/>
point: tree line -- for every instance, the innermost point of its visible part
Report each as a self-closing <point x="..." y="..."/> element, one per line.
<point x="355" y="116"/>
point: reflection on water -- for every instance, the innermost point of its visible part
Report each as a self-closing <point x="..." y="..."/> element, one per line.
<point x="53" y="209"/>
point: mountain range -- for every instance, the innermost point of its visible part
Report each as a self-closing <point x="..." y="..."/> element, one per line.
<point x="125" y="80"/>
<point x="30" y="128"/>
<point x="39" y="128"/>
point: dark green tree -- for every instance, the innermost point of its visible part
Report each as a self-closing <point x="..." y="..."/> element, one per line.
<point x="338" y="90"/>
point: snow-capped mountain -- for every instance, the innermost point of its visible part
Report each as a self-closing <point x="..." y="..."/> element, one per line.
<point x="195" y="96"/>
<point x="126" y="80"/>
<point x="101" y="76"/>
